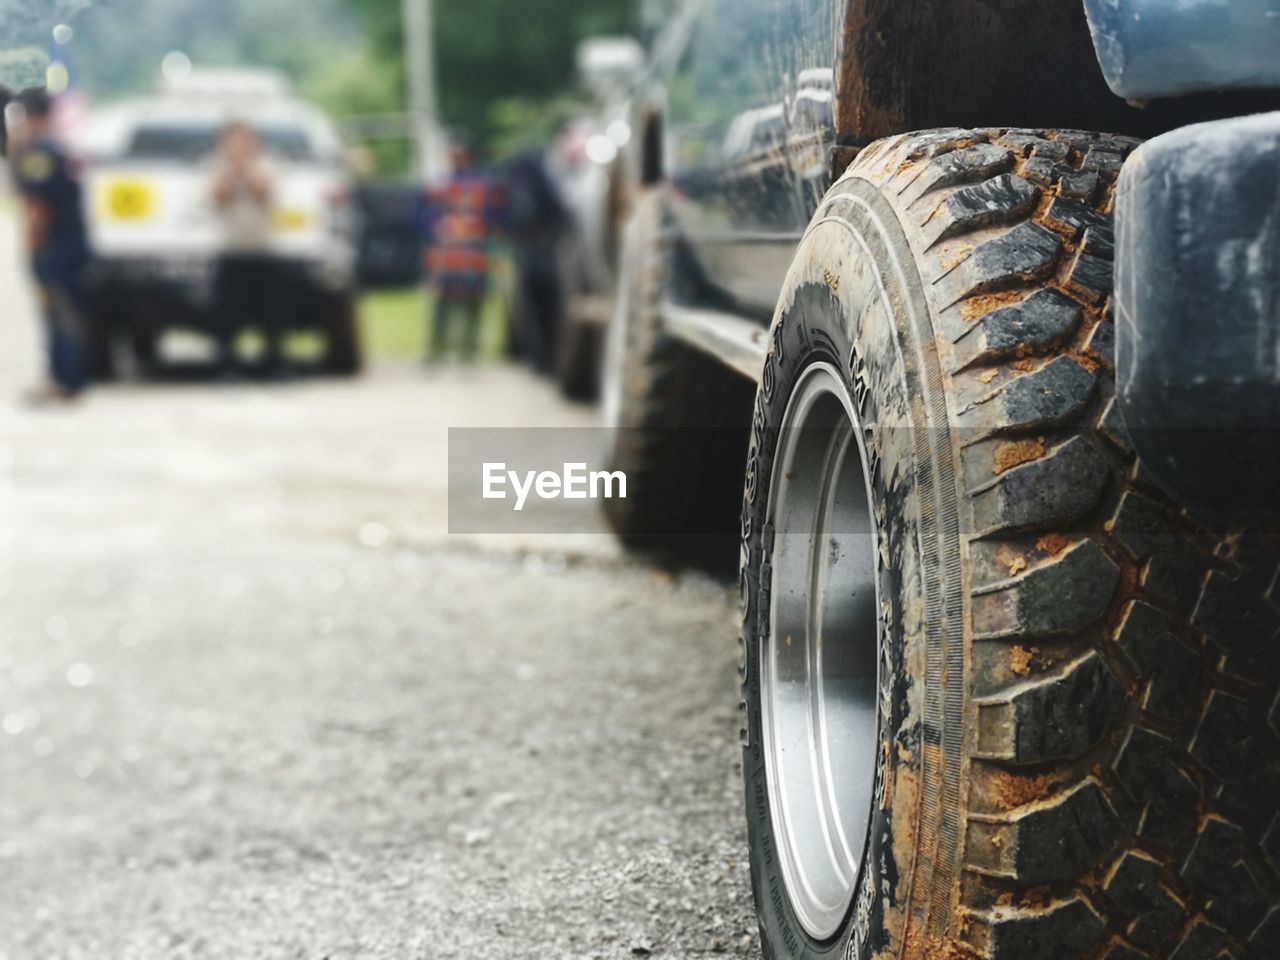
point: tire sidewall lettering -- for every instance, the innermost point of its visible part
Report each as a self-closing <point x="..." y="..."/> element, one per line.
<point x="793" y="347"/>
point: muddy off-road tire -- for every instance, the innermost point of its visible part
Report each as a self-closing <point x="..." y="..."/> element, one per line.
<point x="1048" y="726"/>
<point x="677" y="419"/>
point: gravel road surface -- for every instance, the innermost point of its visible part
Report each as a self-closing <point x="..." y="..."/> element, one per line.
<point x="254" y="702"/>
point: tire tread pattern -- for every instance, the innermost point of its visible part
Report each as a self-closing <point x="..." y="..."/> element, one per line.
<point x="1124" y="750"/>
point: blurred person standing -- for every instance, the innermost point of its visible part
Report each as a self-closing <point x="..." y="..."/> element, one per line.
<point x="464" y="217"/>
<point x="248" y="288"/>
<point x="6" y="98"/>
<point x="56" y="238"/>
<point x="539" y="223"/>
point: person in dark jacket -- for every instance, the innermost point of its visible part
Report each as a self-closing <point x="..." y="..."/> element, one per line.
<point x="539" y="221"/>
<point x="56" y="238"/>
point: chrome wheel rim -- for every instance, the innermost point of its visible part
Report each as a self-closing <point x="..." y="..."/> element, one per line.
<point x="819" y="660"/>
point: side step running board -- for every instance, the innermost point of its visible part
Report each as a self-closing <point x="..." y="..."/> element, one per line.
<point x="735" y="341"/>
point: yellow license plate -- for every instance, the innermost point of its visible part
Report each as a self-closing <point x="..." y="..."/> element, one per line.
<point x="289" y="220"/>
<point x="130" y="200"/>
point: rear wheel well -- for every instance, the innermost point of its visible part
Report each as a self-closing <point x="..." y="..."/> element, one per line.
<point x="971" y="63"/>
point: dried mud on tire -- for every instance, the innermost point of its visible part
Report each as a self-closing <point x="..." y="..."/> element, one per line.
<point x="1081" y="730"/>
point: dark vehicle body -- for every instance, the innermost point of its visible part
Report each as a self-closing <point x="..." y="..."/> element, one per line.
<point x="752" y="108"/>
<point x="389" y="233"/>
<point x="1010" y="663"/>
<point x="737" y="67"/>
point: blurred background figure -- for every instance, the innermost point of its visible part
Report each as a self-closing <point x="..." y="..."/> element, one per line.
<point x="465" y="217"/>
<point x="55" y="238"/>
<point x="6" y="98"/>
<point x="249" y="288"/>
<point x="539" y="223"/>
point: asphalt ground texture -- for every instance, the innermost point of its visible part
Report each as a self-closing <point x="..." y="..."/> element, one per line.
<point x="254" y="702"/>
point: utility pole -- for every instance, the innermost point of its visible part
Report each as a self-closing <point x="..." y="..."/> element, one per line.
<point x="420" y="67"/>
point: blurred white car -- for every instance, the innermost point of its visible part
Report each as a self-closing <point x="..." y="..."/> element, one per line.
<point x="155" y="232"/>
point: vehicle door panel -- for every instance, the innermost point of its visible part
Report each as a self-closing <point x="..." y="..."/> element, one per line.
<point x="749" y="126"/>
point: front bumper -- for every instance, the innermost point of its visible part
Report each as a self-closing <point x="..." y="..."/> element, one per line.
<point x="166" y="293"/>
<point x="192" y="277"/>
<point x="1198" y="312"/>
<point x="186" y="278"/>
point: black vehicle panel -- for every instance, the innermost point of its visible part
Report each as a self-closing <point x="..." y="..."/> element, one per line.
<point x="749" y="126"/>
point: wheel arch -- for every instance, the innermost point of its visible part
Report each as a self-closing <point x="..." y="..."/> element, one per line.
<point x="651" y="165"/>
<point x="974" y="63"/>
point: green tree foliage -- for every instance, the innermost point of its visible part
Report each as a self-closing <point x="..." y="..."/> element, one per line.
<point x="503" y="66"/>
<point x="26" y="27"/>
<point x="120" y="43"/>
<point x="319" y="44"/>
